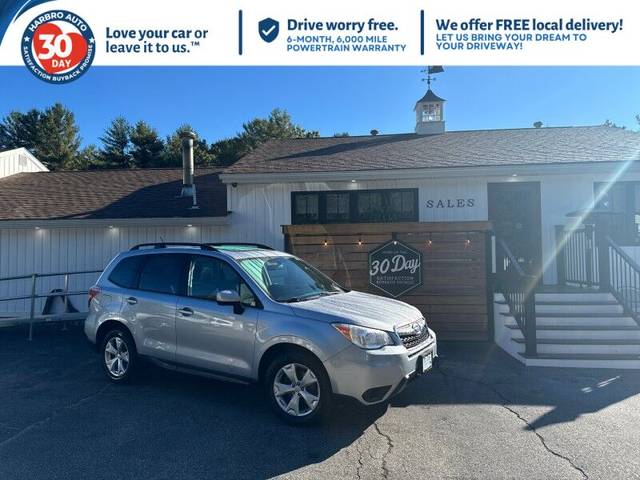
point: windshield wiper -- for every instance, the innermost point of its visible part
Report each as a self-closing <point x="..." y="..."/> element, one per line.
<point x="309" y="296"/>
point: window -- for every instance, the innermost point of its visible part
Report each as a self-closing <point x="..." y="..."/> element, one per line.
<point x="306" y="208"/>
<point x="163" y="273"/>
<point x="432" y="112"/>
<point x="125" y="274"/>
<point x="356" y="206"/>
<point x="288" y="279"/>
<point x="337" y="207"/>
<point x="208" y="276"/>
<point x="622" y="199"/>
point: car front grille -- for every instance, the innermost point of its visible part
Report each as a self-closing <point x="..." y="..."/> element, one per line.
<point x="410" y="340"/>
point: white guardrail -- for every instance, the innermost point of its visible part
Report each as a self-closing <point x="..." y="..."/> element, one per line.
<point x="58" y="298"/>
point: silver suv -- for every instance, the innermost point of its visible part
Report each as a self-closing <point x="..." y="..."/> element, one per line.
<point x="248" y="313"/>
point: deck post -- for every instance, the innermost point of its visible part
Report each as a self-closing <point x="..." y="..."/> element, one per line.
<point x="531" y="340"/>
<point x="561" y="265"/>
<point x="602" y="246"/>
<point x="32" y="311"/>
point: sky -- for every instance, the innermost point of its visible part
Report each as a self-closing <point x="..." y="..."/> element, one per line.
<point x="217" y="100"/>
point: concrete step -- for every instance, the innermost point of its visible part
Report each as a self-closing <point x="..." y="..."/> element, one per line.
<point x="582" y="334"/>
<point x="581" y="320"/>
<point x="561" y="307"/>
<point x="619" y="361"/>
<point x="600" y="328"/>
<point x="574" y="297"/>
<point x="584" y="320"/>
<point x="586" y="347"/>
<point x="605" y="335"/>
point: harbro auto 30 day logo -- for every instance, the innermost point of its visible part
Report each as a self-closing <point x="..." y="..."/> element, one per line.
<point x="58" y="46"/>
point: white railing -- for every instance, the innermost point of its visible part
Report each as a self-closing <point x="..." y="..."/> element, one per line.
<point x="37" y="301"/>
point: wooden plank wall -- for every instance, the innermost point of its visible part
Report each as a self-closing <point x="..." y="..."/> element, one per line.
<point x="453" y="294"/>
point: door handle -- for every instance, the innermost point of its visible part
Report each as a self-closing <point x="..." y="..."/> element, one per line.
<point x="186" y="312"/>
<point x="132" y="300"/>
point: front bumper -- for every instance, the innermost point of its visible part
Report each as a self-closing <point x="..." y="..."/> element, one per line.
<point x="373" y="376"/>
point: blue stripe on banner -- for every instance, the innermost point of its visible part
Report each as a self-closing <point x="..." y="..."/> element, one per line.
<point x="421" y="32"/>
<point x="239" y="32"/>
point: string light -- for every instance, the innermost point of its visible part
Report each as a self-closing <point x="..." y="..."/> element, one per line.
<point x="359" y="240"/>
<point x="326" y="242"/>
<point x="429" y="241"/>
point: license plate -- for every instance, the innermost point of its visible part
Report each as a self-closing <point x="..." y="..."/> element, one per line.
<point x="426" y="363"/>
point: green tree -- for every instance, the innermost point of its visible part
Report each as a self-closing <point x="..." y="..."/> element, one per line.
<point x="256" y="132"/>
<point x="116" y="144"/>
<point x="147" y="146"/>
<point x="20" y="130"/>
<point x="88" y="158"/>
<point x="57" y="138"/>
<point x="172" y="155"/>
<point x="227" y="151"/>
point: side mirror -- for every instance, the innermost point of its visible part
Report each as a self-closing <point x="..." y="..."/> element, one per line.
<point x="228" y="297"/>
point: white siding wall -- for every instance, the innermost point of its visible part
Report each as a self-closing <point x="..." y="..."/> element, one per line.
<point x="17" y="161"/>
<point x="25" y="251"/>
<point x="260" y="210"/>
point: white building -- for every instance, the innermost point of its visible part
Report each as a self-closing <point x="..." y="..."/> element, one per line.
<point x="527" y="183"/>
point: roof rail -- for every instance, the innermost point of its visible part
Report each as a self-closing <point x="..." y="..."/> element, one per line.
<point x="201" y="246"/>
<point x="239" y="244"/>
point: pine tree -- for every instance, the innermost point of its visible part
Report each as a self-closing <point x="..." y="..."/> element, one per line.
<point x="57" y="138"/>
<point x="116" y="144"/>
<point x="256" y="132"/>
<point x="172" y="156"/>
<point x="88" y="158"/>
<point x="147" y="146"/>
<point x="20" y="130"/>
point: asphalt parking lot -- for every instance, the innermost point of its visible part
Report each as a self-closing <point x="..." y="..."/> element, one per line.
<point x="477" y="415"/>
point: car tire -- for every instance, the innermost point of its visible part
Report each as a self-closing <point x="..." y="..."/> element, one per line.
<point x="118" y="355"/>
<point x="280" y="388"/>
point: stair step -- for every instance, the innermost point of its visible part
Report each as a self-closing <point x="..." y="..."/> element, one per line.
<point x="583" y="356"/>
<point x="631" y="328"/>
<point x="582" y="315"/>
<point x="574" y="315"/>
<point x="582" y="341"/>
<point x="578" y="297"/>
<point x="604" y="321"/>
<point x="576" y="302"/>
<point x="578" y="309"/>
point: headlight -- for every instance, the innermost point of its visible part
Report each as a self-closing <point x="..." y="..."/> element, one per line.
<point x="367" y="338"/>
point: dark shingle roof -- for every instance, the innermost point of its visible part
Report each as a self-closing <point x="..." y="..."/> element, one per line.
<point x="527" y="146"/>
<point x="114" y="194"/>
<point x="431" y="97"/>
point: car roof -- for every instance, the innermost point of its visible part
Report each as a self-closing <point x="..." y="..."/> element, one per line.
<point x="234" y="251"/>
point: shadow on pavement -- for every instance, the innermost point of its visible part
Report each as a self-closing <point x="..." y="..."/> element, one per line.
<point x="60" y="415"/>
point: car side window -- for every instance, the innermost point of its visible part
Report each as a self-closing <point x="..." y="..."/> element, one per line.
<point x="125" y="274"/>
<point x="208" y="276"/>
<point x="162" y="273"/>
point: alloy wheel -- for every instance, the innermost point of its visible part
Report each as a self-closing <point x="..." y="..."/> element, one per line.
<point x="116" y="357"/>
<point x="296" y="390"/>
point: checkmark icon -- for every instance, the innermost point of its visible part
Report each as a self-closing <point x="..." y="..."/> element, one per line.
<point x="268" y="29"/>
<point x="266" y="33"/>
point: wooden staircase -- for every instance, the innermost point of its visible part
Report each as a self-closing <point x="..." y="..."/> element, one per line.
<point x="573" y="329"/>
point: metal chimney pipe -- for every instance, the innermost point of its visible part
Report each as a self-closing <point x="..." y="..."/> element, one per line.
<point x="188" y="166"/>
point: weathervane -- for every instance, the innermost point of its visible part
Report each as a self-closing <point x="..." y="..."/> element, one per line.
<point x="430" y="71"/>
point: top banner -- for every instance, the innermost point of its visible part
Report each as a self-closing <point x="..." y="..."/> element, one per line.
<point x="61" y="37"/>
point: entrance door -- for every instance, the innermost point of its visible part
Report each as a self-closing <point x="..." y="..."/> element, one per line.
<point x="514" y="210"/>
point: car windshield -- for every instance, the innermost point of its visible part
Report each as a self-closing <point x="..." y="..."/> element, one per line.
<point x="289" y="279"/>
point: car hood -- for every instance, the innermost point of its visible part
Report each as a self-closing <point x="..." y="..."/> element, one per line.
<point x="358" y="308"/>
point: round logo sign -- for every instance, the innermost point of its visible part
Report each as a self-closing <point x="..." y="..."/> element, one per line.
<point x="58" y="46"/>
